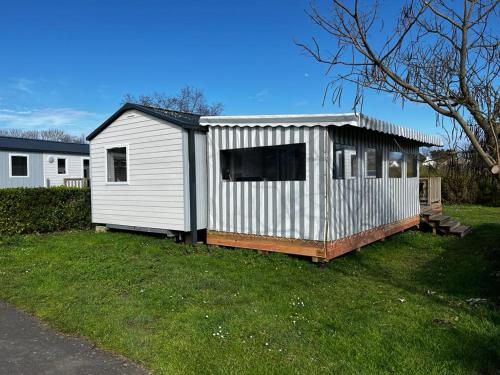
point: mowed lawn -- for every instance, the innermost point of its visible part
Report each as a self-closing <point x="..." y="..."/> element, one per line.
<point x="414" y="304"/>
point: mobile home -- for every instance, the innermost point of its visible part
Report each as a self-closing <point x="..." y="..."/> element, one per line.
<point x="314" y="185"/>
<point x="37" y="163"/>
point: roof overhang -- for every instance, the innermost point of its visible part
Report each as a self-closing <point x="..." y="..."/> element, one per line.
<point x="342" y="119"/>
<point x="148" y="111"/>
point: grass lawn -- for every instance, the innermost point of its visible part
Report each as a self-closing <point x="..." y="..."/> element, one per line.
<point x="401" y="306"/>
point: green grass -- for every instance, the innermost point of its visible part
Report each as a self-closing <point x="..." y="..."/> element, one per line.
<point x="395" y="307"/>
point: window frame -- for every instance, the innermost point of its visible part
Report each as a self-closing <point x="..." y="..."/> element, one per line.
<point x="81" y="164"/>
<point x="412" y="159"/>
<point x="301" y="144"/>
<point x="27" y="156"/>
<point x="65" y="166"/>
<point x="379" y="162"/>
<point x="123" y="145"/>
<point x="402" y="167"/>
<point x="343" y="148"/>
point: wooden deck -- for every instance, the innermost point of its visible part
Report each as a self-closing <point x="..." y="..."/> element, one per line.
<point x="319" y="251"/>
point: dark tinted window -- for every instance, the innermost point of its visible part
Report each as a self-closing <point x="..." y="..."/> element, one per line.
<point x="86" y="168"/>
<point x="373" y="163"/>
<point x="117" y="164"/>
<point x="61" y="166"/>
<point x="268" y="163"/>
<point x="19" y="166"/>
<point x="411" y="166"/>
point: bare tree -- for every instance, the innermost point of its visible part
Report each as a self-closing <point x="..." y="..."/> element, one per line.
<point x="57" y="135"/>
<point x="437" y="52"/>
<point x="189" y="99"/>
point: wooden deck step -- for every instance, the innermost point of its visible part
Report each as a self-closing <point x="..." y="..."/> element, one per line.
<point x="438" y="218"/>
<point x="448" y="224"/>
<point x="460" y="230"/>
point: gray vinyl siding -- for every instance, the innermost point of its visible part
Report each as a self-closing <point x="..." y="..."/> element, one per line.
<point x="35" y="171"/>
<point x="319" y="208"/>
<point x="74" y="168"/>
<point x="154" y="195"/>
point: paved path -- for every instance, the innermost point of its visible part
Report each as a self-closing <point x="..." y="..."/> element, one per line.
<point x="27" y="347"/>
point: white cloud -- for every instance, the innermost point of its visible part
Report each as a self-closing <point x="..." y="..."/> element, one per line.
<point x="72" y="120"/>
<point x="23" y="84"/>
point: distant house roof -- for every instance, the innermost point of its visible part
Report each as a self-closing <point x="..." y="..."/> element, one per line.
<point x="34" y="145"/>
<point x="353" y="119"/>
<point x="183" y="119"/>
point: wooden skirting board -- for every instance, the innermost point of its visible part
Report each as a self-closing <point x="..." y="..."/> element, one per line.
<point x="318" y="250"/>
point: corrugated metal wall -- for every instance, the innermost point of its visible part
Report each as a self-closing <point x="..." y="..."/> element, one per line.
<point x="290" y="209"/>
<point x="298" y="209"/>
<point x="363" y="203"/>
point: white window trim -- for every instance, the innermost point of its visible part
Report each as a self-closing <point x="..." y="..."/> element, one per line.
<point x="27" y="165"/>
<point x="126" y="145"/>
<point x="65" y="166"/>
<point x="81" y="165"/>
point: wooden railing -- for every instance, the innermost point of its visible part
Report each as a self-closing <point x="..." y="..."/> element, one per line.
<point x="77" y="182"/>
<point x="430" y="190"/>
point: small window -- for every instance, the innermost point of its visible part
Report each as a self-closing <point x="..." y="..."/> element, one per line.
<point x="346" y="162"/>
<point x="373" y="160"/>
<point x="411" y="166"/>
<point x="19" y="166"/>
<point x="86" y="168"/>
<point x="117" y="164"/>
<point x="61" y="166"/>
<point x="268" y="163"/>
<point x="395" y="164"/>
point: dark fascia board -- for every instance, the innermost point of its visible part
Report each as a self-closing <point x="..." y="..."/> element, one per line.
<point x="148" y="111"/>
<point x="8" y="143"/>
<point x="34" y="150"/>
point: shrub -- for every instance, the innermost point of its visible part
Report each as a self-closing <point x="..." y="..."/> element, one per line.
<point x="42" y="210"/>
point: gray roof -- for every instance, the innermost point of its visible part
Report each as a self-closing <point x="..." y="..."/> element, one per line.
<point x="34" y="145"/>
<point x="342" y="119"/>
<point x="183" y="119"/>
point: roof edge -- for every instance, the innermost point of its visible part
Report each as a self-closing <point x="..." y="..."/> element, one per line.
<point x="131" y="106"/>
<point x="327" y="119"/>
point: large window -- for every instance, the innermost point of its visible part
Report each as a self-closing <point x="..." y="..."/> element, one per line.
<point x="373" y="160"/>
<point x="19" y="166"/>
<point x="268" y="163"/>
<point x="411" y="166"/>
<point x="395" y="164"/>
<point x="346" y="162"/>
<point x="116" y="164"/>
<point x="61" y="166"/>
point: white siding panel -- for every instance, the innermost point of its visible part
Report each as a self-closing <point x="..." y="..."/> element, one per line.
<point x="154" y="195"/>
<point x="74" y="168"/>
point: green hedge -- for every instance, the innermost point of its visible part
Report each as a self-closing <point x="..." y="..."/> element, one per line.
<point x="42" y="210"/>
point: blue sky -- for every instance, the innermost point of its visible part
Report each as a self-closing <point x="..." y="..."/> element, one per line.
<point x="68" y="64"/>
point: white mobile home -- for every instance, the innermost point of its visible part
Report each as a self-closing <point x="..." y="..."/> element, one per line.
<point x="143" y="168"/>
<point x="37" y="163"/>
<point x="314" y="185"/>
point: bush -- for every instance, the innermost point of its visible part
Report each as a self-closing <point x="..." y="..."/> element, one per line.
<point x="42" y="210"/>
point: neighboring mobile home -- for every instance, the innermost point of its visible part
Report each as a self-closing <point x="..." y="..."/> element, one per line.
<point x="36" y="163"/>
<point x="314" y="185"/>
